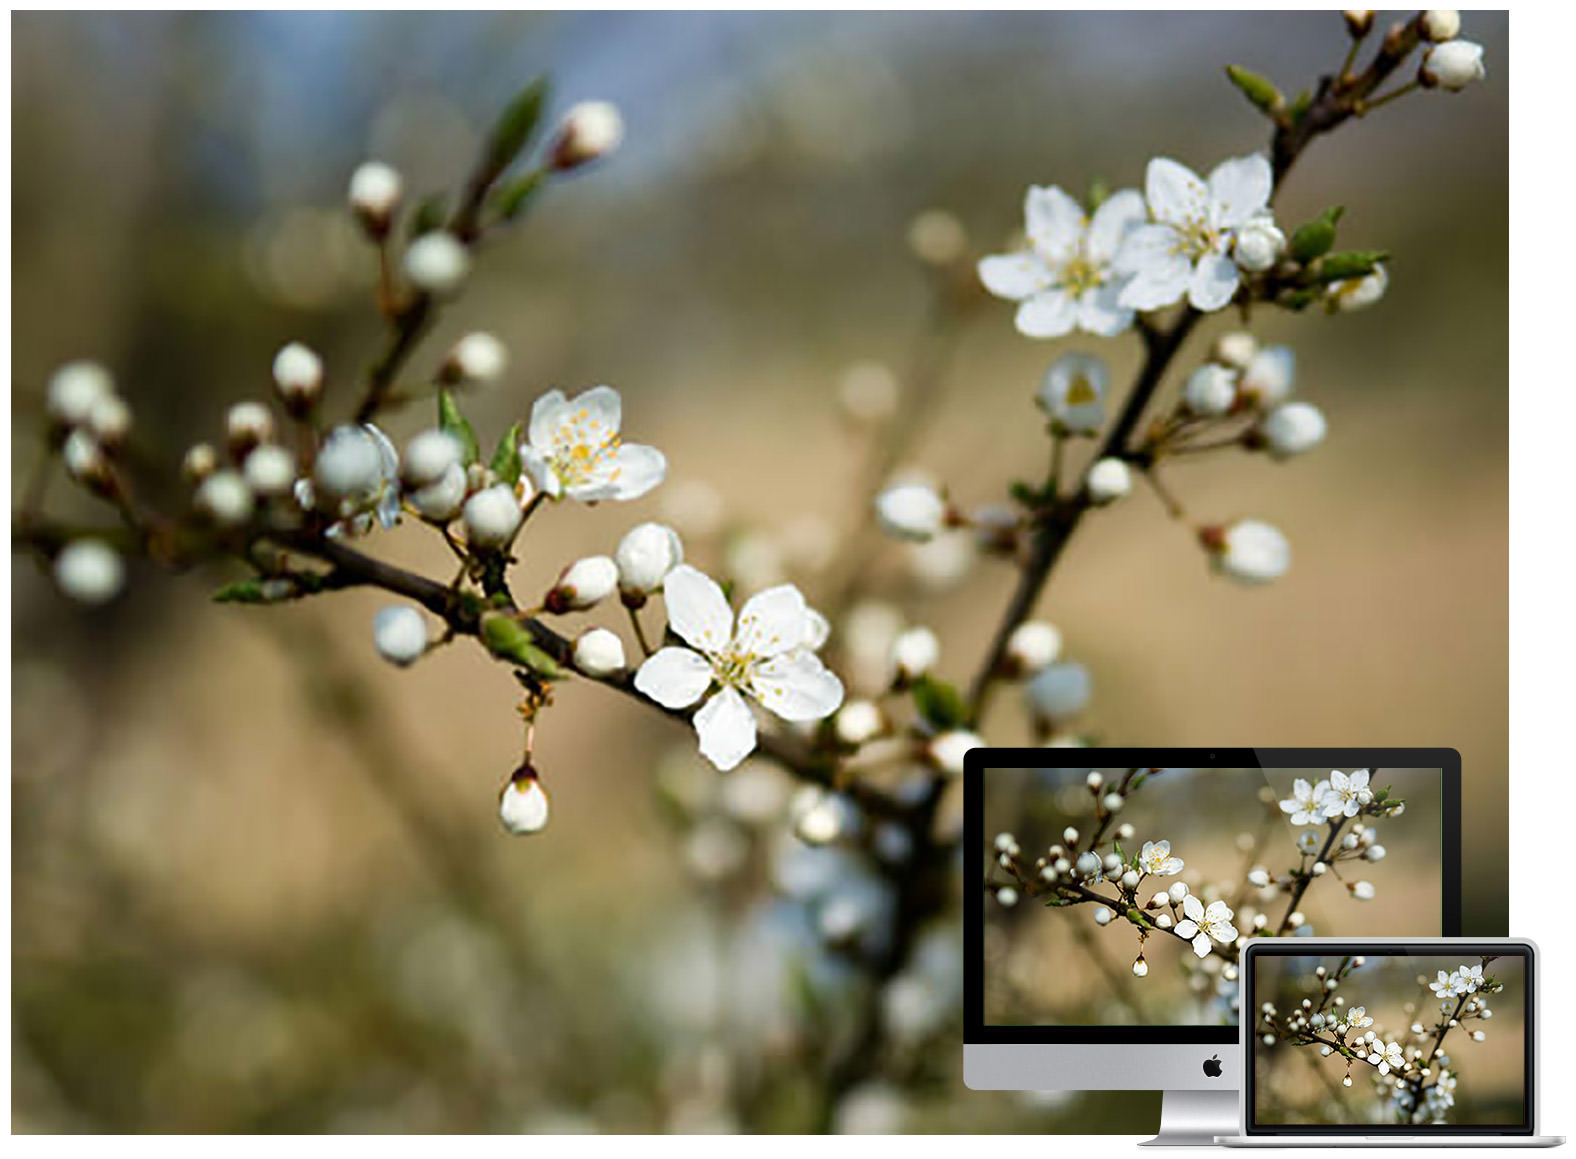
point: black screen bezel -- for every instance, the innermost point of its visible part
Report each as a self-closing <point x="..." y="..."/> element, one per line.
<point x="1377" y="948"/>
<point x="976" y="765"/>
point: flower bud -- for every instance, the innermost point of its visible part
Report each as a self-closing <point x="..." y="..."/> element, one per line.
<point x="1113" y="802"/>
<point x="946" y="751"/>
<point x="298" y="376"/>
<point x="200" y="461"/>
<point x="74" y="388"/>
<point x="247" y="425"/>
<point x="1357" y="293"/>
<point x="1439" y="24"/>
<point x="911" y="511"/>
<point x="1259" y="876"/>
<point x="1094" y="782"/>
<point x="599" y="652"/>
<point x="1108" y="480"/>
<point x="1234" y="349"/>
<point x="374" y="195"/>
<point x="868" y="392"/>
<point x="1358" y="21"/>
<point x="523" y="806"/>
<point x="428" y="458"/>
<point x="109" y="420"/>
<point x="492" y="516"/>
<point x="1177" y="892"/>
<point x="478" y="357"/>
<point x="1070" y="835"/>
<point x="1130" y="879"/>
<point x="1452" y="65"/>
<point x="349" y="463"/>
<point x="583" y="584"/>
<point x="225" y="498"/>
<point x="1157" y="901"/>
<point x="1058" y="691"/>
<point x="1292" y="428"/>
<point x="1210" y="390"/>
<point x="437" y="263"/>
<point x="442" y="500"/>
<point x="1102" y="916"/>
<point x="914" y="653"/>
<point x="89" y="571"/>
<point x="400" y="634"/>
<point x="1375" y="853"/>
<point x="1007" y="897"/>
<point x="1258" y="245"/>
<point x="1088" y="864"/>
<point x="84" y="459"/>
<point x="270" y="470"/>
<point x="858" y="721"/>
<point x="644" y="557"/>
<point x="1268" y="377"/>
<point x="1073" y="392"/>
<point x="590" y="130"/>
<point x="1362" y="890"/>
<point x="1249" y="551"/>
<point x="1140" y="967"/>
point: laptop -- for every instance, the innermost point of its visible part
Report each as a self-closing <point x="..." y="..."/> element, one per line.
<point x="1425" y="1042"/>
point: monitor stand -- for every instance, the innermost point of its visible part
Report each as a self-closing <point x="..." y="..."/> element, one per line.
<point x="1195" y="1118"/>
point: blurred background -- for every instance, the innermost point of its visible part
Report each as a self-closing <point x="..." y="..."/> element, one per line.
<point x="1058" y="967"/>
<point x="1295" y="1085"/>
<point x="257" y="879"/>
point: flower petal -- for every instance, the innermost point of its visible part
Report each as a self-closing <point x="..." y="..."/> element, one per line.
<point x="1145" y="247"/>
<point x="1193" y="907"/>
<point x="798" y="687"/>
<point x="697" y="609"/>
<point x="1213" y="282"/>
<point x="631" y="471"/>
<point x="1186" y="928"/>
<point x="1100" y="310"/>
<point x="1047" y="315"/>
<point x="1201" y="945"/>
<point x="1240" y="189"/>
<point x="602" y="407"/>
<point x="545" y="416"/>
<point x="773" y="622"/>
<point x="726" y="728"/>
<point x="674" y="677"/>
<point x="1014" y="276"/>
<point x="1053" y="221"/>
<point x="540" y="472"/>
<point x="1174" y="192"/>
<point x="1117" y="214"/>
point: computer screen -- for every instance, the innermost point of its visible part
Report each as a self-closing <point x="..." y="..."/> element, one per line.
<point x="1110" y="899"/>
<point x="1403" y="1038"/>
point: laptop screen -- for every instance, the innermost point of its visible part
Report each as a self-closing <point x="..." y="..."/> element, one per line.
<point x="1399" y="1038"/>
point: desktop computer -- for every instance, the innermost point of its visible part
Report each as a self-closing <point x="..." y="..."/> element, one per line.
<point x="1106" y="892"/>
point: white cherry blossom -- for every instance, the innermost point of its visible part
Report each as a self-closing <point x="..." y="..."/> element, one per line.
<point x="1073" y="393"/>
<point x="1155" y="859"/>
<point x="1343" y="797"/>
<point x="573" y="448"/>
<point x="1186" y="250"/>
<point x="1307" y="802"/>
<point x="768" y="655"/>
<point x="1389" y="1059"/>
<point x="1065" y="278"/>
<point x="1357" y="1018"/>
<point x="1201" y="924"/>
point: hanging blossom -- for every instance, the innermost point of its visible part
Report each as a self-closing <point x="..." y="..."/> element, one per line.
<point x="1200" y="925"/>
<point x="573" y="448"/>
<point x="1066" y="278"/>
<point x="768" y="655"/>
<point x="1186" y="249"/>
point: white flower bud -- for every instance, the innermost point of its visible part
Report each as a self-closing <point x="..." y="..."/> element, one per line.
<point x="1177" y="892"/>
<point x="270" y="470"/>
<point x="348" y="463"/>
<point x="1130" y="878"/>
<point x="1059" y="691"/>
<point x="1102" y="916"/>
<point x="868" y="392"/>
<point x="1478" y="1036"/>
<point x="1109" y="480"/>
<point x="109" y="419"/>
<point x="858" y="721"/>
<point x="1111" y="863"/>
<point x="1358" y="20"/>
<point x="1032" y="645"/>
<point x="523" y="807"/>
<point x="1088" y="864"/>
<point x="478" y="357"/>
<point x="199" y="462"/>
<point x="1125" y="832"/>
<point x="1362" y="890"/>
<point x="89" y="571"/>
<point x="599" y="652"/>
<point x="1258" y="245"/>
<point x="1113" y="802"/>
<point x="400" y="634"/>
<point x="1375" y="853"/>
<point x="1007" y="897"/>
<point x="1295" y="919"/>
<point x="1072" y="393"/>
<point x="1070" y="835"/>
<point x="1140" y="967"/>
<point x="590" y="130"/>
<point x="429" y="456"/>
<point x="645" y="556"/>
<point x="1249" y="551"/>
<point x="914" y="652"/>
<point x="374" y="194"/>
<point x="1259" y="876"/>
<point x="225" y="498"/>
<point x="441" y="501"/>
<point x="1452" y="65"/>
<point x="492" y="516"/>
<point x="1439" y="24"/>
<point x="1006" y="843"/>
<point x="946" y="751"/>
<point x="1210" y="390"/>
<point x="1269" y="375"/>
<point x="298" y="374"/>
<point x="84" y="458"/>
<point x="1292" y="428"/>
<point x="1357" y="293"/>
<point x="583" y="584"/>
<point x="1158" y="900"/>
<point x="1234" y="349"/>
<point x="74" y="388"/>
<point x="247" y="425"/>
<point x="1094" y="781"/>
<point x="1163" y="921"/>
<point x="437" y="263"/>
<point x="911" y="511"/>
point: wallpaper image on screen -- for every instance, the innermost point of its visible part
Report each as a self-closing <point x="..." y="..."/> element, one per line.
<point x="1390" y="1040"/>
<point x="1118" y="896"/>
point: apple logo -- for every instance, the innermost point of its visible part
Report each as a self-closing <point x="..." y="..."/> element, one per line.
<point x="1212" y="1067"/>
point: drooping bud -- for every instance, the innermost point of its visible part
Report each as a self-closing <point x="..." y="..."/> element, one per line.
<point x="1268" y="377"/>
<point x="523" y="806"/>
<point x="85" y="460"/>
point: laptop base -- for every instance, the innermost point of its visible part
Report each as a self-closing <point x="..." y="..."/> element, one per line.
<point x="1391" y="1141"/>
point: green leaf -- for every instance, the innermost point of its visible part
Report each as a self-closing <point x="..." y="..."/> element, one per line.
<point x="1263" y="94"/>
<point x="939" y="703"/>
<point x="1298" y="299"/>
<point x="514" y="197"/>
<point x="508" y="639"/>
<point x="1300" y="104"/>
<point x="246" y="591"/>
<point x="1099" y="190"/>
<point x="506" y="457"/>
<point x="515" y="126"/>
<point x="1314" y="238"/>
<point x="454" y="424"/>
<point x="1349" y="264"/>
<point x="429" y="214"/>
<point x="1137" y="917"/>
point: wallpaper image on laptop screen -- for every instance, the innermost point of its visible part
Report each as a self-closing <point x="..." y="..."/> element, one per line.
<point x="1391" y="1039"/>
<point x="1117" y="896"/>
